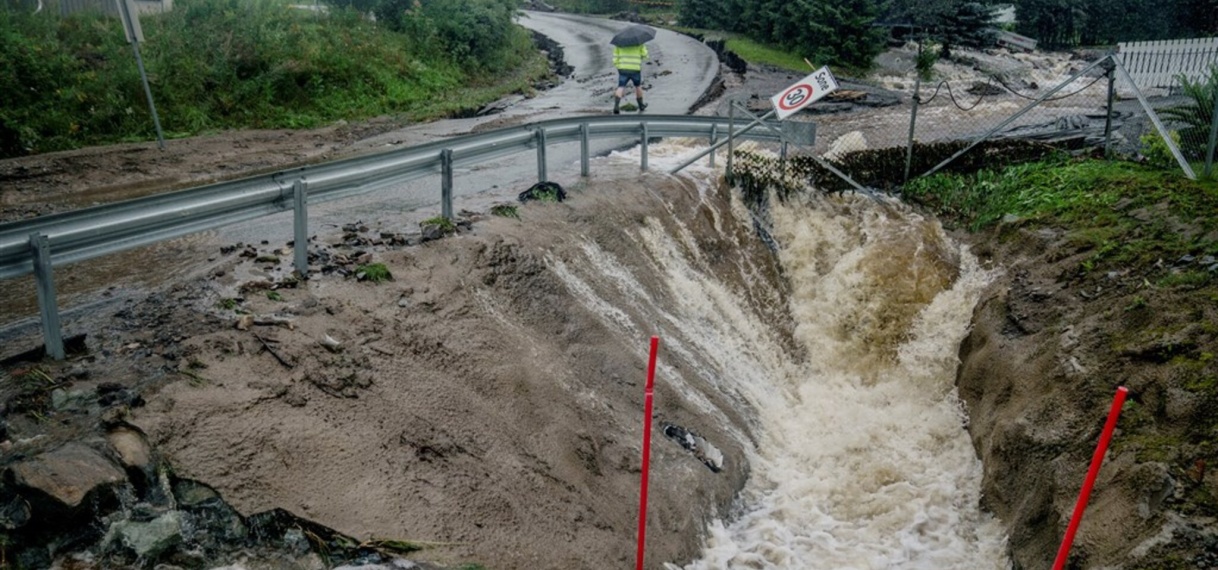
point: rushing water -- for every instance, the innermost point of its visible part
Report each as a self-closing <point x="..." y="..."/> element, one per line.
<point x="861" y="458"/>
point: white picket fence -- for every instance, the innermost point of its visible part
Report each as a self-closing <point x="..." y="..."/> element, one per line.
<point x="1157" y="65"/>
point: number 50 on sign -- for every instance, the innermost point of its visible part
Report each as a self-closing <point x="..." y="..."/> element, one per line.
<point x="804" y="92"/>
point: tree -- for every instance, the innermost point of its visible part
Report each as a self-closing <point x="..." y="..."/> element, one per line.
<point x="833" y="31"/>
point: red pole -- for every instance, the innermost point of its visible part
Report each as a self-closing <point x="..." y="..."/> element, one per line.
<point x="651" y="376"/>
<point x="1085" y="493"/>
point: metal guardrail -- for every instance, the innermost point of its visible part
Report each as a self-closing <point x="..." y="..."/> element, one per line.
<point x="36" y="245"/>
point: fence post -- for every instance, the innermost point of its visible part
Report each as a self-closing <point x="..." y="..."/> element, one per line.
<point x="541" y="155"/>
<point x="731" y="133"/>
<point x="446" y="183"/>
<point x="583" y="150"/>
<point x="643" y="148"/>
<point x="1111" y="73"/>
<point x="300" y="226"/>
<point x="1209" y="152"/>
<point x="48" y="307"/>
<point x="913" y="121"/>
<point x="782" y="159"/>
<point x="714" y="138"/>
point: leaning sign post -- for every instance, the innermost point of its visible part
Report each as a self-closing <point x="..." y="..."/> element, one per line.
<point x="131" y="28"/>
<point x="786" y="103"/>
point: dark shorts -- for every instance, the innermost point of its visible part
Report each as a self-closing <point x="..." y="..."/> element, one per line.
<point x="624" y="77"/>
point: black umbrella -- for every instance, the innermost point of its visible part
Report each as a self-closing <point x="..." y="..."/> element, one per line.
<point x="634" y="35"/>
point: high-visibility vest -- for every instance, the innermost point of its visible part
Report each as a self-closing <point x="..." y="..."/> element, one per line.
<point x="629" y="58"/>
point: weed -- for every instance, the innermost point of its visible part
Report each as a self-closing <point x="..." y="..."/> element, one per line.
<point x="471" y="566"/>
<point x="228" y="303"/>
<point x="1137" y="303"/>
<point x="374" y="272"/>
<point x="446" y="225"/>
<point x="1186" y="279"/>
<point x="1156" y="151"/>
<point x="274" y="296"/>
<point x="505" y="210"/>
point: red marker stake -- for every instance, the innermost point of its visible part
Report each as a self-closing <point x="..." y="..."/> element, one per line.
<point x="1085" y="493"/>
<point x="651" y="376"/>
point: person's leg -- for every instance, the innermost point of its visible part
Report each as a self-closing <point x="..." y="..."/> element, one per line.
<point x="638" y="94"/>
<point x="619" y="92"/>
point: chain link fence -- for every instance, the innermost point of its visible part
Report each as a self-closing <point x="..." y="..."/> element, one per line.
<point x="989" y="109"/>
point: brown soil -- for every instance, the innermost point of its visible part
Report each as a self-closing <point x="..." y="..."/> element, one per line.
<point x="53" y="182"/>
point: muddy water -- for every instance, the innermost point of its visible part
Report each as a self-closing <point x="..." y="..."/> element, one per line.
<point x="860" y="458"/>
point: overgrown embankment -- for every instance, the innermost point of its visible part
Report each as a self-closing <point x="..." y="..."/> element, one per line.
<point x="222" y="64"/>
<point x="1111" y="279"/>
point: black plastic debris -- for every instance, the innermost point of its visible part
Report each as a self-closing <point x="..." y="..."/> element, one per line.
<point x="544" y="192"/>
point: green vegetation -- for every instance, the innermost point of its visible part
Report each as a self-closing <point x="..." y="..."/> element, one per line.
<point x="220" y="64"/>
<point x="374" y="272"/>
<point x="1197" y="114"/>
<point x="274" y="296"/>
<point x="839" y="32"/>
<point x="505" y="211"/>
<point x="444" y="224"/>
<point x="1124" y="214"/>
<point x="228" y="303"/>
<point x="758" y="53"/>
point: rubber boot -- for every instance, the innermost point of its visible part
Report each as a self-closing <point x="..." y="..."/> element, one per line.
<point x="617" y="102"/>
<point x="642" y="105"/>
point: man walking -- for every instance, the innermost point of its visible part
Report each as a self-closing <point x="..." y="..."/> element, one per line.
<point x="629" y="63"/>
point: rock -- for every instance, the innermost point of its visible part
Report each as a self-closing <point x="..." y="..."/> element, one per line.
<point x="62" y="400"/>
<point x="67" y="474"/>
<point x="132" y="448"/>
<point x="331" y="344"/>
<point x="432" y="232"/>
<point x="212" y="519"/>
<point x="148" y="540"/>
<point x="14" y="513"/>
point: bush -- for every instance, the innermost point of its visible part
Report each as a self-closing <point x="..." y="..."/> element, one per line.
<point x="1197" y="114"/>
<point x="474" y="32"/>
<point x="1156" y="151"/>
<point x="218" y="64"/>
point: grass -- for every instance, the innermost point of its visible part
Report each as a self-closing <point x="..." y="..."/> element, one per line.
<point x="758" y="53"/>
<point x="374" y="272"/>
<point x="446" y="225"/>
<point x="1122" y="213"/>
<point x="505" y="211"/>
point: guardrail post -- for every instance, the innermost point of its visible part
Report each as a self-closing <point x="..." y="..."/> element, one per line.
<point x="731" y="131"/>
<point x="446" y="183"/>
<point x="541" y="155"/>
<point x="643" y="148"/>
<point x="300" y="226"/>
<point x="48" y="307"/>
<point x="714" y="138"/>
<point x="583" y="150"/>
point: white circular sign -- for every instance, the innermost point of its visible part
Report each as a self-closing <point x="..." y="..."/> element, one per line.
<point x="794" y="97"/>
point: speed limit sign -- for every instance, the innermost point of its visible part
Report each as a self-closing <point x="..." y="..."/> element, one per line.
<point x="804" y="92"/>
